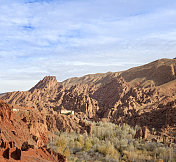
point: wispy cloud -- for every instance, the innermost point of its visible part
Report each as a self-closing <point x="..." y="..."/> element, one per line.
<point x="74" y="37"/>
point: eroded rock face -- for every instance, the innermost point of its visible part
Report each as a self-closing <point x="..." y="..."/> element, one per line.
<point x="142" y="133"/>
<point x="21" y="133"/>
<point x="5" y="112"/>
<point x="143" y="95"/>
<point x="31" y="154"/>
<point x="10" y="128"/>
<point x="67" y="123"/>
<point x="21" y="126"/>
<point x="39" y="132"/>
<point x="48" y="82"/>
<point x="26" y="146"/>
<point x="155" y="73"/>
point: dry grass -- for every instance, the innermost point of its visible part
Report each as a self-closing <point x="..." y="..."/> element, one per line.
<point x="110" y="142"/>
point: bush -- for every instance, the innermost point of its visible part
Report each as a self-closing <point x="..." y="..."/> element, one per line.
<point x="66" y="152"/>
<point x="87" y="144"/>
<point x="61" y="144"/>
<point x="112" y="143"/>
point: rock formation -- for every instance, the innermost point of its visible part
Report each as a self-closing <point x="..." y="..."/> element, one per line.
<point x="5" y="112"/>
<point x="16" y="134"/>
<point x="143" y="95"/>
<point x="142" y="133"/>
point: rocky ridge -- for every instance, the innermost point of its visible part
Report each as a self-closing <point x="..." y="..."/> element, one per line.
<point x="143" y="95"/>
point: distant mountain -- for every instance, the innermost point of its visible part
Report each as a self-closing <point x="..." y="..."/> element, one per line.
<point x="143" y="95"/>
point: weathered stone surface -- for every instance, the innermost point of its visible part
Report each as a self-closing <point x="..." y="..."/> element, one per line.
<point x="5" y="112"/>
<point x="6" y="153"/>
<point x="26" y="146"/>
<point x="143" y="95"/>
<point x="142" y="133"/>
<point x="34" y="155"/>
<point x="16" y="155"/>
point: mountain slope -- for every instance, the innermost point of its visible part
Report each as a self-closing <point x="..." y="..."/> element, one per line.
<point x="21" y="134"/>
<point x="143" y="95"/>
<point x="156" y="73"/>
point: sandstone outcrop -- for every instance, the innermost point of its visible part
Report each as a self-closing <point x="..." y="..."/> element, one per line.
<point x="67" y="123"/>
<point x="5" y="112"/>
<point x="142" y="133"/>
<point x="143" y="95"/>
<point x="23" y="135"/>
<point x="42" y="154"/>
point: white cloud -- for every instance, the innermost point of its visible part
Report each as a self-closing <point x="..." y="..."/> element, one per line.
<point x="75" y="37"/>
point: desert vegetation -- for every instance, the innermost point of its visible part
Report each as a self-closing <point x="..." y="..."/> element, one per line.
<point x="110" y="142"/>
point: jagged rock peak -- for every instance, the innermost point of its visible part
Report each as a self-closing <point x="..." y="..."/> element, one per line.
<point x="48" y="82"/>
<point x="49" y="78"/>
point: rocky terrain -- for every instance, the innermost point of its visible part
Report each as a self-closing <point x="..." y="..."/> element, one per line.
<point x="20" y="140"/>
<point x="144" y="96"/>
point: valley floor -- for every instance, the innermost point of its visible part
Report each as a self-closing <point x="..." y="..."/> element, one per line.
<point x="111" y="143"/>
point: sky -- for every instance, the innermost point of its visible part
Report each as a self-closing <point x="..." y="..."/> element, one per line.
<point x="69" y="38"/>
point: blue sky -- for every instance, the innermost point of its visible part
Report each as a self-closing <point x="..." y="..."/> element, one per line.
<point x="69" y="38"/>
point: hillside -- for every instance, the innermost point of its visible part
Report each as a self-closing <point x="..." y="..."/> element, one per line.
<point x="144" y="95"/>
<point x="23" y="136"/>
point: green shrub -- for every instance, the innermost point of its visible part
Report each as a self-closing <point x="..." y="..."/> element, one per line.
<point x="110" y="142"/>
